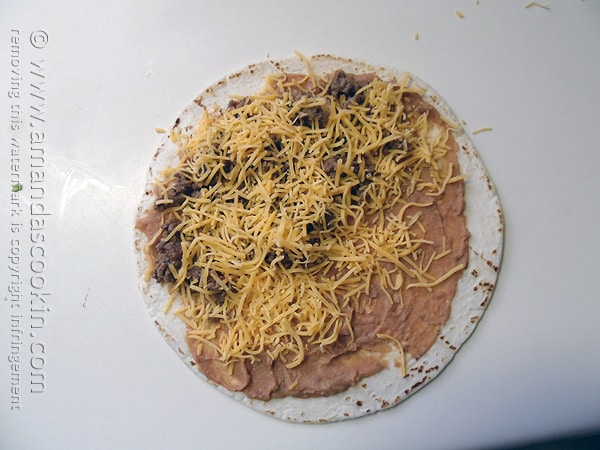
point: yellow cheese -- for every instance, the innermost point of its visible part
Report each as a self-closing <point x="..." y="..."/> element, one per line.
<point x="289" y="245"/>
<point x="399" y="347"/>
<point x="481" y="130"/>
<point x="539" y="5"/>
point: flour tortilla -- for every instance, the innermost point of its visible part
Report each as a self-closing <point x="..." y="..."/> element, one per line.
<point x="387" y="388"/>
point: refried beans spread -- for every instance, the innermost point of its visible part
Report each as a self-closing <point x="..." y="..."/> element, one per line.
<point x="306" y="228"/>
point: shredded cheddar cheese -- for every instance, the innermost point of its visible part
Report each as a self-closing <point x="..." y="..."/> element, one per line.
<point x="400" y="349"/>
<point x="481" y="130"/>
<point x="296" y="215"/>
<point x="536" y="4"/>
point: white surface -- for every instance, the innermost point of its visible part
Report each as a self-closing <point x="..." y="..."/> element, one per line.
<point x="116" y="71"/>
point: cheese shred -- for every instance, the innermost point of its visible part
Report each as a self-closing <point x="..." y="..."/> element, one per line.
<point x="536" y="4"/>
<point x="299" y="209"/>
<point x="400" y="349"/>
<point x="481" y="130"/>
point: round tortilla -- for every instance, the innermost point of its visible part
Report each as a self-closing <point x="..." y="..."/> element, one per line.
<point x="386" y="388"/>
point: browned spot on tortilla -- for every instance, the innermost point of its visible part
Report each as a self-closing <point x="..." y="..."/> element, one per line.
<point x="418" y="383"/>
<point x="432" y="368"/>
<point x="451" y="346"/>
<point x="159" y="326"/>
<point x="486" y="286"/>
<point x="492" y="265"/>
<point x="418" y="369"/>
<point x="486" y="299"/>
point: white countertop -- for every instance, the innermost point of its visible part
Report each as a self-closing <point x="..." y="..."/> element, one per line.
<point x="113" y="71"/>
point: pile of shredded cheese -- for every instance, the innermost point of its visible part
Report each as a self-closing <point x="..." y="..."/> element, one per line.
<point x="291" y="245"/>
